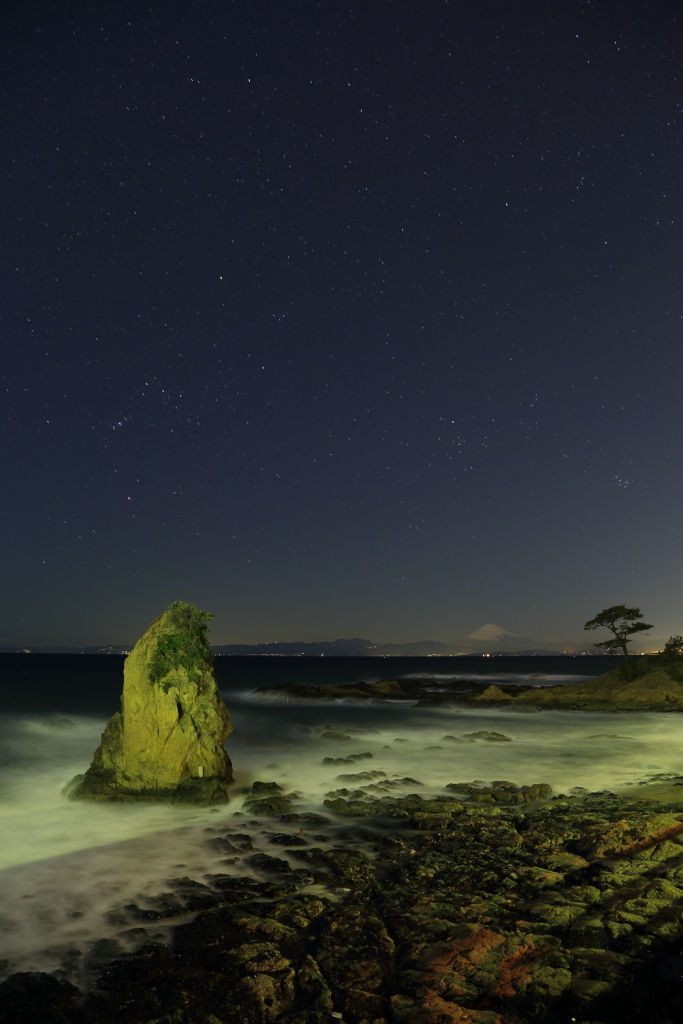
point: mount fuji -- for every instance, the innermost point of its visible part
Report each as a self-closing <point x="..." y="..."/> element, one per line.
<point x="490" y="637"/>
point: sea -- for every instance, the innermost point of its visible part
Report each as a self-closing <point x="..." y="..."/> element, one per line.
<point x="67" y="869"/>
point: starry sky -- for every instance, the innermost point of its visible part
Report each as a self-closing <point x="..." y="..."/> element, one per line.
<point x="353" y="319"/>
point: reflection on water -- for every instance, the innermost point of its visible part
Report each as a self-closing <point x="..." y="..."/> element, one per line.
<point x="64" y="865"/>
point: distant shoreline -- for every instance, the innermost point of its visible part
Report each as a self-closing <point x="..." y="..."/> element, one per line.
<point x="122" y="651"/>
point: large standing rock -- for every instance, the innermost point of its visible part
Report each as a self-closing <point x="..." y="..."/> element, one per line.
<point x="166" y="743"/>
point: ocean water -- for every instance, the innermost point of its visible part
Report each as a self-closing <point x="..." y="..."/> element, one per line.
<point x="64" y="867"/>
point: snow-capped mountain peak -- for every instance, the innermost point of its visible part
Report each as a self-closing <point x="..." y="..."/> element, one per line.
<point x="489" y="632"/>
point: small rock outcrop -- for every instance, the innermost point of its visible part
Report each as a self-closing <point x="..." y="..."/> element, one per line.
<point x="166" y="742"/>
<point x="654" y="691"/>
<point x="493" y="693"/>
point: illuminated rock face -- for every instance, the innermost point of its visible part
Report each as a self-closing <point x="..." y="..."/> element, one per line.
<point x="166" y="743"/>
<point x="654" y="691"/>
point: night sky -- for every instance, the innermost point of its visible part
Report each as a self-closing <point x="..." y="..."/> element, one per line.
<point x="340" y="319"/>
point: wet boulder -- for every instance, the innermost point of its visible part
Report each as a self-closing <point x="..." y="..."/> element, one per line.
<point x="351" y="867"/>
<point x="285" y="839"/>
<point x="267" y="799"/>
<point x="257" y="957"/>
<point x="263" y="998"/>
<point x="313" y="988"/>
<point x="31" y="997"/>
<point x="430" y="820"/>
<point x="270" y="865"/>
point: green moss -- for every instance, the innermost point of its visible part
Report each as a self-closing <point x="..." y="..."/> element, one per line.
<point x="182" y="643"/>
<point x="670" y="660"/>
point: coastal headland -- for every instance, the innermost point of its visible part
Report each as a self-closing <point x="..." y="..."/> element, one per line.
<point x="654" y="690"/>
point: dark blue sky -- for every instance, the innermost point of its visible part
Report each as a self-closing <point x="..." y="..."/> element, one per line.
<point x="340" y="319"/>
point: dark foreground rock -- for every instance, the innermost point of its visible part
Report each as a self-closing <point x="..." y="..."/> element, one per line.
<point x="487" y="905"/>
<point x="31" y="997"/>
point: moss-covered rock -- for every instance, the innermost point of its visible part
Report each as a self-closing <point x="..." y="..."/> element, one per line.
<point x="489" y="920"/>
<point x="386" y="687"/>
<point x="166" y="742"/>
<point x="655" y="691"/>
<point x="636" y="684"/>
<point x="501" y="792"/>
<point x="629" y="836"/>
<point x="267" y="799"/>
<point x="492" y="693"/>
<point x="430" y="820"/>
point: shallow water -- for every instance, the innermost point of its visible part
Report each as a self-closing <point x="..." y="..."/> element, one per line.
<point x="64" y="865"/>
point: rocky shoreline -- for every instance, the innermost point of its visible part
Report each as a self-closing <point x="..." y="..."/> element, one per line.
<point x="479" y="904"/>
<point x="653" y="691"/>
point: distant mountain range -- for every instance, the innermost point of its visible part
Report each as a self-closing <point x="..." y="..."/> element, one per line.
<point x="488" y="639"/>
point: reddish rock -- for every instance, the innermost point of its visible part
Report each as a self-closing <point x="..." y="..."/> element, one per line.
<point x="624" y="837"/>
<point x="516" y="970"/>
<point x="432" y="1009"/>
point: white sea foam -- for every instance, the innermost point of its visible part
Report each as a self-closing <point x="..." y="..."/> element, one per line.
<point x="65" y="865"/>
<point x="521" y="678"/>
<point x="559" y="748"/>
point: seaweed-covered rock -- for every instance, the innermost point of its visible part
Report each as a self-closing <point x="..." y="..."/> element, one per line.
<point x="166" y="742"/>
